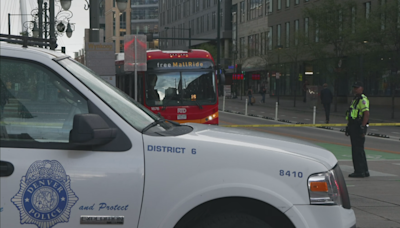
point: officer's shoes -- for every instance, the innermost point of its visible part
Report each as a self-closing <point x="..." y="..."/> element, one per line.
<point x="359" y="175"/>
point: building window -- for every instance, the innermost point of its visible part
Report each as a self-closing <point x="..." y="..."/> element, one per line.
<point x="149" y="13"/>
<point x="208" y="22"/>
<point x="194" y="6"/>
<point x="279" y="5"/>
<point x="197" y="5"/>
<point x="257" y="44"/>
<point x="122" y="24"/>
<point x="192" y="26"/>
<point x="213" y="22"/>
<point x="208" y="3"/>
<point x="262" y="43"/>
<point x="114" y="23"/>
<point x="202" y="24"/>
<point x="268" y="7"/>
<point x="367" y="6"/>
<point x="270" y="37"/>
<point x="278" y="35"/>
<point x="242" y="12"/>
<point x="254" y="9"/>
<point x="383" y="14"/>
<point x="242" y="47"/>
<point x="197" y="25"/>
<point x="250" y="48"/>
<point x="121" y="46"/>
<point x="287" y="34"/>
<point x="220" y="18"/>
<point x="296" y="2"/>
<point x="296" y="32"/>
<point x="353" y="19"/>
<point x="316" y="32"/>
<point x="306" y="27"/>
<point x="288" y="3"/>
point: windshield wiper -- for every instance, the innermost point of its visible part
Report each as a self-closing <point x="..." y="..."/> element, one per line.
<point x="153" y="124"/>
<point x="157" y="122"/>
<point x="198" y="105"/>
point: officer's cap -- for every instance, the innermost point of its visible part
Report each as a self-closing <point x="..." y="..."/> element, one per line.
<point x="357" y="84"/>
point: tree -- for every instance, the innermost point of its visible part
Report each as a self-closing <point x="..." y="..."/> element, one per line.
<point x="296" y="49"/>
<point x="210" y="48"/>
<point x="334" y="35"/>
<point x="381" y="33"/>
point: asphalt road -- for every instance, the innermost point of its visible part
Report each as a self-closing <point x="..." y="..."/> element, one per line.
<point x="303" y="116"/>
<point x="375" y="199"/>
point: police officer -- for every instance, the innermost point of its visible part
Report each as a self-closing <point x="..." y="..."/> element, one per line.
<point x="357" y="117"/>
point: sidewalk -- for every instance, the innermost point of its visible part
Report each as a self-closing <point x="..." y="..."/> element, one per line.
<point x="378" y="114"/>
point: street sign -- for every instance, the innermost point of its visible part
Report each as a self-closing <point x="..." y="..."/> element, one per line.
<point x="139" y="58"/>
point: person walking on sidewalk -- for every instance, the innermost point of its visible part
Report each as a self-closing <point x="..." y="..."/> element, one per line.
<point x="250" y="95"/>
<point x="357" y="117"/>
<point x="326" y="100"/>
<point x="263" y="91"/>
<point x="305" y="88"/>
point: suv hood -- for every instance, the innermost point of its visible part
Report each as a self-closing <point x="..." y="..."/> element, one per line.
<point x="260" y="140"/>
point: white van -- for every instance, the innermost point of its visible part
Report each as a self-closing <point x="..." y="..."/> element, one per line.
<point x="77" y="151"/>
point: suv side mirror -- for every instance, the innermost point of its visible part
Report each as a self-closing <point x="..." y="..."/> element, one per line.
<point x="91" y="130"/>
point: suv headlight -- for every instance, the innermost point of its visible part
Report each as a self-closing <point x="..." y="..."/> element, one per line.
<point x="324" y="189"/>
<point x="329" y="188"/>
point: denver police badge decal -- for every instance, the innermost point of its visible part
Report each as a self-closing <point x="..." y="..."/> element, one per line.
<point x="45" y="197"/>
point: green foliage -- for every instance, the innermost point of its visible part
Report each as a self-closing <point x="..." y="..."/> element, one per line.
<point x="210" y="48"/>
<point x="333" y="22"/>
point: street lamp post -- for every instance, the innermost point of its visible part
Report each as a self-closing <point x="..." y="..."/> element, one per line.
<point x="234" y="68"/>
<point x="277" y="75"/>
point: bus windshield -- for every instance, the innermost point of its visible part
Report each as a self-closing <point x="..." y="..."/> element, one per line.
<point x="180" y="88"/>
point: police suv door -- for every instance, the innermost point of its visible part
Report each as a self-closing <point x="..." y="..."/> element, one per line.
<point x="46" y="180"/>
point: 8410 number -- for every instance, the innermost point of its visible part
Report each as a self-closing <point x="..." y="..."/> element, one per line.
<point x="288" y="173"/>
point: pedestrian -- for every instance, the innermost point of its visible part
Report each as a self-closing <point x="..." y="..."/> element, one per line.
<point x="326" y="100"/>
<point x="305" y="88"/>
<point x="250" y="95"/>
<point x="263" y="91"/>
<point x="357" y="117"/>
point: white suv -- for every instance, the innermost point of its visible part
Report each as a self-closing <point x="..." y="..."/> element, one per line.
<point x="76" y="150"/>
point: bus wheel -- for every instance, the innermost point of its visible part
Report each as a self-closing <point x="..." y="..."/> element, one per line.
<point x="232" y="220"/>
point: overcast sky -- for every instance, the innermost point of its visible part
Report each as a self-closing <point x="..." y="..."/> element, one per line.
<point x="80" y="19"/>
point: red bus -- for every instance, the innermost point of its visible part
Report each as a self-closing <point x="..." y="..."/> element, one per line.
<point x="179" y="85"/>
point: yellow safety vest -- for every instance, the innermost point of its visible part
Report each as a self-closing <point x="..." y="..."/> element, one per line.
<point x="357" y="108"/>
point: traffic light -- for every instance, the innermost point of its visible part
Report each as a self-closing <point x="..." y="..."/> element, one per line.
<point x="63" y="50"/>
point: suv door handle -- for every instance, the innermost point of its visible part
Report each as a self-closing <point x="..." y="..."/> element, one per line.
<point x="6" y="169"/>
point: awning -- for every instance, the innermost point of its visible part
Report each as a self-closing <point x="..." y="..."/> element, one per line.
<point x="255" y="63"/>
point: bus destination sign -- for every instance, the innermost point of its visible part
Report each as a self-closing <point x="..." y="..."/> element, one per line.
<point x="174" y="64"/>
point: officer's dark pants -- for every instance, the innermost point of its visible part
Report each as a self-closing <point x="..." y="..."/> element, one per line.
<point x="327" y="107"/>
<point x="357" y="148"/>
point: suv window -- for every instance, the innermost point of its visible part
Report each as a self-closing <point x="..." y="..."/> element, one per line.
<point x="36" y="104"/>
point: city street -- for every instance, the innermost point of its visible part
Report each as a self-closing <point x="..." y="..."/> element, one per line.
<point x="374" y="199"/>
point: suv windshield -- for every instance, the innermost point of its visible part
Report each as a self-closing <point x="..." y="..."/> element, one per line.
<point x="133" y="112"/>
<point x="179" y="88"/>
